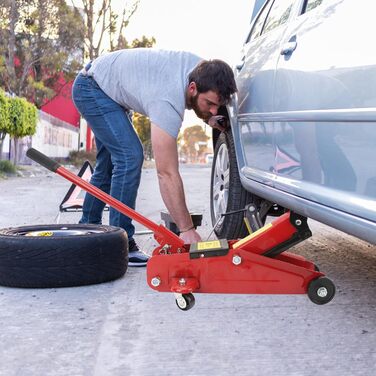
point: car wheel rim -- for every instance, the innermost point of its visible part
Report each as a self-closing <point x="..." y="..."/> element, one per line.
<point x="221" y="182"/>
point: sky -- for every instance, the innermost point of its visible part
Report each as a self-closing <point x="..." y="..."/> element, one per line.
<point x="208" y="28"/>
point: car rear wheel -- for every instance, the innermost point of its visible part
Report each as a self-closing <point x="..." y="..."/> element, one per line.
<point x="62" y="255"/>
<point x="227" y="193"/>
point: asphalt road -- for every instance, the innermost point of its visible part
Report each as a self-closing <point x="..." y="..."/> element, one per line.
<point x="125" y="328"/>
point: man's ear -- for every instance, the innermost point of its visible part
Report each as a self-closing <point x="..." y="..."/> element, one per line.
<point x="192" y="88"/>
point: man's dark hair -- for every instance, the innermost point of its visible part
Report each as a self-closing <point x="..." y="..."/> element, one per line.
<point x="215" y="75"/>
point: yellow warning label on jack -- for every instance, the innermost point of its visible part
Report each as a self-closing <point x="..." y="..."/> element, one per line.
<point x="251" y="236"/>
<point x="208" y="245"/>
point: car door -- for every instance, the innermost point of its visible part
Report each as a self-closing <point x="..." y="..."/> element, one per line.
<point x="325" y="101"/>
<point x="255" y="80"/>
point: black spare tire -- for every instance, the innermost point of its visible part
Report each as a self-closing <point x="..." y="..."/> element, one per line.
<point x="62" y="255"/>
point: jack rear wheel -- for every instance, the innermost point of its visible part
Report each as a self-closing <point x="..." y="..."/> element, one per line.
<point x="185" y="302"/>
<point x="321" y="290"/>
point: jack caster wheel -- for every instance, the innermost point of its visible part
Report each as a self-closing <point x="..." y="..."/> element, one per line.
<point x="185" y="301"/>
<point x="321" y="290"/>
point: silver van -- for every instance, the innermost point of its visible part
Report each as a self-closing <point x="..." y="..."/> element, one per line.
<point x="303" y="123"/>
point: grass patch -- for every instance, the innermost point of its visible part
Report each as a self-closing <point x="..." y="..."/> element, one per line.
<point x="7" y="168"/>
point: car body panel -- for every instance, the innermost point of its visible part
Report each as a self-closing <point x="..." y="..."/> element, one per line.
<point x="304" y="122"/>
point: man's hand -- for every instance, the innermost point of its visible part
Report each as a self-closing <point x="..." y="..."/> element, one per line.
<point x="191" y="236"/>
<point x="219" y="122"/>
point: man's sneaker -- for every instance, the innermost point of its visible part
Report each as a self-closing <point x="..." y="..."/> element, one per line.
<point x="136" y="257"/>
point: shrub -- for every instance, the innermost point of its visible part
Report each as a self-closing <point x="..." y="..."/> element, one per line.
<point x="23" y="118"/>
<point x="4" y="118"/>
<point x="4" y="113"/>
<point x="77" y="158"/>
<point x="7" y="167"/>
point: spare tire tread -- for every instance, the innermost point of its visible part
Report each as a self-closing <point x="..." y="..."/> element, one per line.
<point x="62" y="261"/>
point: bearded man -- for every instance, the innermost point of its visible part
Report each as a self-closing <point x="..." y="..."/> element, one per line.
<point x="161" y="85"/>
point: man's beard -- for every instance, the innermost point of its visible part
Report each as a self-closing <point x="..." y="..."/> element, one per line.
<point x="193" y="105"/>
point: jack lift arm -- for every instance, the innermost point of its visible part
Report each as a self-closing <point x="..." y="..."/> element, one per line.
<point x="257" y="264"/>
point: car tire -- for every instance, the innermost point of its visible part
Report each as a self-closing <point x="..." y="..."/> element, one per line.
<point x="46" y="256"/>
<point x="226" y="197"/>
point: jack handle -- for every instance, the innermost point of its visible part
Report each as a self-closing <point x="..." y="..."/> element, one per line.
<point x="161" y="234"/>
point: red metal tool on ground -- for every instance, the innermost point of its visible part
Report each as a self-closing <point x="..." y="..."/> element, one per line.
<point x="257" y="264"/>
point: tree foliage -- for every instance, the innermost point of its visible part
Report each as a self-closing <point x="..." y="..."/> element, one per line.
<point x="4" y="119"/>
<point x="41" y="47"/>
<point x="105" y="24"/>
<point x="23" y="121"/>
<point x="193" y="142"/>
<point x="141" y="124"/>
<point x="18" y="118"/>
<point x="143" y="42"/>
<point x="23" y="117"/>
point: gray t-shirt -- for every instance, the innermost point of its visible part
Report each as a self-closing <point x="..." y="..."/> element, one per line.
<point x="148" y="81"/>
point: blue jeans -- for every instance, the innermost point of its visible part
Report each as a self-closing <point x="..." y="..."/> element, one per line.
<point x="119" y="152"/>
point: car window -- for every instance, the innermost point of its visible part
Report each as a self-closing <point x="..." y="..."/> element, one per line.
<point x="311" y="4"/>
<point x="278" y="15"/>
<point x="257" y="26"/>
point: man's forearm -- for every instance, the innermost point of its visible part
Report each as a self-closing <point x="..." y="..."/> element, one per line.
<point x="172" y="191"/>
<point x="170" y="183"/>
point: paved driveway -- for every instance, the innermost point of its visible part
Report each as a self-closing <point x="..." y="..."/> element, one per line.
<point x="125" y="328"/>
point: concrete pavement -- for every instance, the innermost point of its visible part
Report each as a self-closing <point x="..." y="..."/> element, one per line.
<point x="125" y="328"/>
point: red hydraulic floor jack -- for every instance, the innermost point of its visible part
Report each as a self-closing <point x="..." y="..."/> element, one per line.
<point x="257" y="264"/>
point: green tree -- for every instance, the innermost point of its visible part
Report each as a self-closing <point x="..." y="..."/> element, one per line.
<point x="143" y="42"/>
<point x="193" y="142"/>
<point x="23" y="117"/>
<point x="40" y="42"/>
<point x="4" y="119"/>
<point x="103" y="25"/>
<point x="142" y="125"/>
